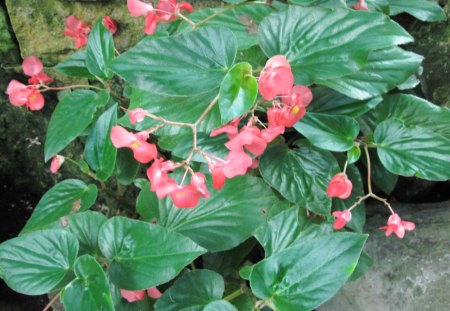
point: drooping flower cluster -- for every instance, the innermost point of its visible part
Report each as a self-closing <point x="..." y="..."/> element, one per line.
<point x="132" y="296"/>
<point x="29" y="95"/>
<point x="76" y="29"/>
<point x="339" y="187"/>
<point x="397" y="226"/>
<point x="166" y="11"/>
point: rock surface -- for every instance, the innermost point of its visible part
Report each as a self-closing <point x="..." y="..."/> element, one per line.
<point x="412" y="274"/>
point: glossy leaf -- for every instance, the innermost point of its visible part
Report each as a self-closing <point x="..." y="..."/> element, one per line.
<point x="193" y="291"/>
<point x="144" y="255"/>
<point x="365" y="262"/>
<point x="381" y="177"/>
<point x="353" y="155"/>
<point x="220" y="305"/>
<point x="300" y="175"/>
<point x="384" y="70"/>
<point x="428" y="11"/>
<point x="86" y="227"/>
<point x="99" y="151"/>
<point x="74" y="66"/>
<point x="90" y="290"/>
<point x="325" y="3"/>
<point x="279" y="232"/>
<point x="147" y="203"/>
<point x="413" y="151"/>
<point x="126" y="166"/>
<point x="308" y="36"/>
<point x="238" y="92"/>
<point x="40" y="262"/>
<point x="226" y="219"/>
<point x="100" y="51"/>
<point x="307" y="274"/>
<point x="328" y="101"/>
<point x="201" y="59"/>
<point x="329" y="132"/>
<point x="71" y="117"/>
<point x="67" y="197"/>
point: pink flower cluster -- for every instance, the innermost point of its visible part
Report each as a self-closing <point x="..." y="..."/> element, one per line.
<point x="132" y="296"/>
<point x="79" y="31"/>
<point x="166" y="11"/>
<point x="29" y="95"/>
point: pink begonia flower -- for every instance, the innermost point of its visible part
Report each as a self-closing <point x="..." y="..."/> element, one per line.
<point x="154" y="293"/>
<point x="168" y="9"/>
<point x="237" y="163"/>
<point x="56" y="163"/>
<point x="230" y="129"/>
<point x="285" y="116"/>
<point x="250" y="138"/>
<point x="143" y="151"/>
<point x="198" y="180"/>
<point x="218" y="177"/>
<point x="361" y="6"/>
<point x="397" y="226"/>
<point x="136" y="115"/>
<point x="159" y="179"/>
<point x="20" y="94"/>
<point x="342" y="217"/>
<point x="109" y="23"/>
<point x="76" y="29"/>
<point x="276" y="78"/>
<point x="272" y="132"/>
<point x="132" y="296"/>
<point x="139" y="8"/>
<point x="185" y="196"/>
<point x="299" y="96"/>
<point x="340" y="186"/>
<point x="33" y="68"/>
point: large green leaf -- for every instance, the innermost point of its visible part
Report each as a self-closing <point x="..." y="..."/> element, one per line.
<point x="322" y="43"/>
<point x="358" y="213"/>
<point x="413" y="151"/>
<point x="238" y="92"/>
<point x="192" y="292"/>
<point x="86" y="227"/>
<point x="90" y="290"/>
<point x="226" y="219"/>
<point x="279" y="232"/>
<point x="415" y="112"/>
<point x="71" y="117"/>
<point x="38" y="263"/>
<point x="100" y="51"/>
<point x="425" y="10"/>
<point x="328" y="101"/>
<point x="305" y="275"/>
<point x="144" y="255"/>
<point x="99" y="151"/>
<point x="188" y="64"/>
<point x="175" y="108"/>
<point x="126" y="166"/>
<point x="74" y="66"/>
<point x="67" y="197"/>
<point x="329" y="132"/>
<point x="385" y="69"/>
<point x="220" y="305"/>
<point x="300" y="175"/>
<point x="147" y="203"/>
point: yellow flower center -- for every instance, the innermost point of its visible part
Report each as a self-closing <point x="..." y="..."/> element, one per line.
<point x="135" y="144"/>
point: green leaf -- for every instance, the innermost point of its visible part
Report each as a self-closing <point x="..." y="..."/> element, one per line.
<point x="279" y="232"/>
<point x="300" y="175"/>
<point x="238" y="92"/>
<point x="413" y="151"/>
<point x="175" y="108"/>
<point x="147" y="203"/>
<point x="358" y="213"/>
<point x="99" y="151"/>
<point x="425" y="10"/>
<point x="86" y="226"/>
<point x="193" y="291"/>
<point x="71" y="117"/>
<point x="126" y="166"/>
<point x="40" y="262"/>
<point x="187" y="64"/>
<point x="254" y="56"/>
<point x="353" y="155"/>
<point x="144" y="255"/>
<point x="90" y="290"/>
<point x="325" y="3"/>
<point x="415" y="112"/>
<point x="381" y="177"/>
<point x="322" y="43"/>
<point x="385" y="69"/>
<point x="331" y="102"/>
<point x="226" y="219"/>
<point x="335" y="133"/>
<point x="365" y="262"/>
<point x="307" y="274"/>
<point x="100" y="51"/>
<point x="220" y="305"/>
<point x="67" y="197"/>
<point x="74" y="66"/>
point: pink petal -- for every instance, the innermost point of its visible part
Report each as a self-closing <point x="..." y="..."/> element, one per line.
<point x="136" y="115"/>
<point x="218" y="176"/>
<point x="32" y="66"/>
<point x="40" y="78"/>
<point x="110" y="24"/>
<point x="300" y="96"/>
<point x="166" y="10"/>
<point x="186" y="6"/>
<point x="237" y="163"/>
<point x="56" y="163"/>
<point x="143" y="151"/>
<point x="272" y="132"/>
<point x="139" y="8"/>
<point x="132" y="296"/>
<point x="394" y="219"/>
<point x="151" y="21"/>
<point x="339" y="223"/>
<point x="80" y="42"/>
<point x="409" y="226"/>
<point x="198" y="180"/>
<point x="15" y="86"/>
<point x="35" y="100"/>
<point x="340" y="186"/>
<point x="231" y="128"/>
<point x="120" y="137"/>
<point x="154" y="293"/>
<point x="276" y="79"/>
<point x="361" y="6"/>
<point x="185" y="197"/>
<point x="400" y="232"/>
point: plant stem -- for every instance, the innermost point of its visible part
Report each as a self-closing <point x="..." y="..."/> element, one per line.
<point x="51" y="302"/>
<point x="369" y="170"/>
<point x="87" y="86"/>
<point x="234" y="295"/>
